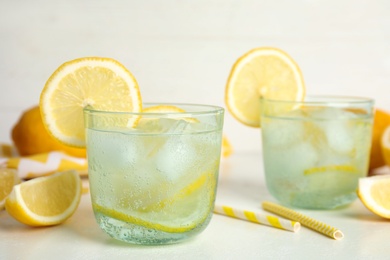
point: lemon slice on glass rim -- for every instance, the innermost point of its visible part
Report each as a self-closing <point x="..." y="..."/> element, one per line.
<point x="262" y="73"/>
<point x="100" y="83"/>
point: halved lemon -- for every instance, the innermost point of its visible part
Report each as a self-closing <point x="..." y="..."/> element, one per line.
<point x="261" y="73"/>
<point x="8" y="179"/>
<point x="374" y="192"/>
<point x="101" y="83"/>
<point x="45" y="201"/>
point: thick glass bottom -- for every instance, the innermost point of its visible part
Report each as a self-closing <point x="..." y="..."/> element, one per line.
<point x="136" y="234"/>
<point x="314" y="200"/>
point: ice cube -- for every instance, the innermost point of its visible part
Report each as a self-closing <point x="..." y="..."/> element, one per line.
<point x="282" y="132"/>
<point x="176" y="157"/>
<point x="113" y="149"/>
<point x="336" y="124"/>
<point x="286" y="167"/>
<point x="173" y="126"/>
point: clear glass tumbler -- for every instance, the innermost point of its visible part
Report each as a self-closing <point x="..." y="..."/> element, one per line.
<point x="315" y="151"/>
<point x="153" y="176"/>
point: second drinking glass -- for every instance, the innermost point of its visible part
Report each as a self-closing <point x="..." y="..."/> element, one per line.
<point x="316" y="150"/>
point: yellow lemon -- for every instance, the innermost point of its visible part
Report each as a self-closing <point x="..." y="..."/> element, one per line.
<point x="45" y="201"/>
<point x="381" y="121"/>
<point x="385" y="145"/>
<point x="100" y="83"/>
<point x="30" y="136"/>
<point x="163" y="109"/>
<point x="261" y="73"/>
<point x="227" y="148"/>
<point x="374" y="192"/>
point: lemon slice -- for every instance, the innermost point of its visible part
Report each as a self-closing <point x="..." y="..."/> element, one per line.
<point x="8" y="178"/>
<point x="374" y="192"/>
<point x="163" y="109"/>
<point x="262" y="72"/>
<point x="385" y="145"/>
<point x="151" y="121"/>
<point x="101" y="83"/>
<point x="338" y="168"/>
<point x="45" y="201"/>
<point x="181" y="212"/>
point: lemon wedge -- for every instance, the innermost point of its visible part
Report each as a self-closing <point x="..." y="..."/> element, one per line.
<point x="374" y="192"/>
<point x="45" y="201"/>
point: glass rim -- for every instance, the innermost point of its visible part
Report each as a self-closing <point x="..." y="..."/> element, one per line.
<point x="199" y="109"/>
<point x="325" y="99"/>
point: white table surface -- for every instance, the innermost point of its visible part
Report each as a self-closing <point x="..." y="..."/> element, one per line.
<point x="367" y="236"/>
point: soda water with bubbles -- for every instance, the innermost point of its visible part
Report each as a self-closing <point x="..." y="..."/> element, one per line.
<point x="154" y="184"/>
<point x="314" y="157"/>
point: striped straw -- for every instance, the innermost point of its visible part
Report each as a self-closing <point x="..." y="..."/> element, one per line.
<point x="257" y="218"/>
<point x="305" y="220"/>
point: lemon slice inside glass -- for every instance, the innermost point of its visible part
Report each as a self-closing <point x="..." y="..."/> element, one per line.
<point x="181" y="212"/>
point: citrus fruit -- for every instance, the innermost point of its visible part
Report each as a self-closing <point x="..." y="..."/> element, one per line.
<point x="374" y="192"/>
<point x="227" y="148"/>
<point x="385" y="145"/>
<point x="261" y="73"/>
<point x="334" y="168"/>
<point x="162" y="109"/>
<point x="152" y="122"/>
<point x="381" y="121"/>
<point x="8" y="178"/>
<point x="45" y="201"/>
<point x="30" y="136"/>
<point x="99" y="83"/>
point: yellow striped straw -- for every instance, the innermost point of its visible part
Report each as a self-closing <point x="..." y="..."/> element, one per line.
<point x="304" y="220"/>
<point x="257" y="218"/>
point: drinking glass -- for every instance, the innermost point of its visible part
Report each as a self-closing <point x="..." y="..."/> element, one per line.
<point x="315" y="151"/>
<point x="153" y="176"/>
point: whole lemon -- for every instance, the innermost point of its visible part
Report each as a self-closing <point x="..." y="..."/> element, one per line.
<point x="381" y="121"/>
<point x="31" y="137"/>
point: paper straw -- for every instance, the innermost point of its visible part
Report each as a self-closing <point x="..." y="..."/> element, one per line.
<point x="304" y="220"/>
<point x="257" y="218"/>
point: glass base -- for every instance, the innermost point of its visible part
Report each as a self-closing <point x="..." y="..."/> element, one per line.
<point x="140" y="235"/>
<point x="312" y="200"/>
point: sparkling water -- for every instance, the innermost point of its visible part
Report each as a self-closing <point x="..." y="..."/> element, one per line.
<point x="313" y="158"/>
<point x="154" y="184"/>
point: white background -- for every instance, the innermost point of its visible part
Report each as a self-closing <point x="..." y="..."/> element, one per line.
<point x="182" y="51"/>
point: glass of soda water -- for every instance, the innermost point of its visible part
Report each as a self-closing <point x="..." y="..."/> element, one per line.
<point x="153" y="175"/>
<point x="315" y="150"/>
